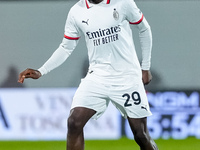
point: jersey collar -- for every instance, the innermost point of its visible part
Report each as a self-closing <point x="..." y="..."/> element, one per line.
<point x="89" y="5"/>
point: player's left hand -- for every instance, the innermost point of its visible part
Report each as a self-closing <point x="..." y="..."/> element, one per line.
<point x="146" y="77"/>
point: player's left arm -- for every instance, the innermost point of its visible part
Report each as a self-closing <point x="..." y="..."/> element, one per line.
<point x="145" y="36"/>
<point x="136" y="18"/>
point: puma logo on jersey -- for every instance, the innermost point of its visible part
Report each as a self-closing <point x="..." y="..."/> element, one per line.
<point x="86" y="22"/>
<point x="91" y="72"/>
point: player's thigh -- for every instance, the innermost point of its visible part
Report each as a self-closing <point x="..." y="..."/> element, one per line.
<point x="91" y="95"/>
<point x="79" y="116"/>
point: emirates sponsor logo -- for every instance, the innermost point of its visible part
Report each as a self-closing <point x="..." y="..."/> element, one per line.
<point x="104" y="36"/>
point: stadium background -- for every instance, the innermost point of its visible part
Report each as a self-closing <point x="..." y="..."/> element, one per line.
<point x="31" y="30"/>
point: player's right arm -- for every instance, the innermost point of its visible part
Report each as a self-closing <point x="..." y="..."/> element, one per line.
<point x="58" y="57"/>
<point x="65" y="49"/>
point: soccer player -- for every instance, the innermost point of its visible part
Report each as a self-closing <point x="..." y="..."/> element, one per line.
<point x="114" y="75"/>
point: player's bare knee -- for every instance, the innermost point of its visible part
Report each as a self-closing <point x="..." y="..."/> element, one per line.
<point x="74" y="125"/>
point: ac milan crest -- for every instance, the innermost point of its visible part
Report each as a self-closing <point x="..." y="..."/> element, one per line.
<point x="115" y="14"/>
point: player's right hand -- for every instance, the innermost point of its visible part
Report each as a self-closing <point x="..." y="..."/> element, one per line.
<point x="29" y="73"/>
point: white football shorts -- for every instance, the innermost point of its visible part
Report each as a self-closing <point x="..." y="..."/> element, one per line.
<point x="130" y="100"/>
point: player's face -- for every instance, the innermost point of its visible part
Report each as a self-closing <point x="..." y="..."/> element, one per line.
<point x="95" y="1"/>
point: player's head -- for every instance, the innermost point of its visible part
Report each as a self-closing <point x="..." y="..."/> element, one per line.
<point x="95" y="1"/>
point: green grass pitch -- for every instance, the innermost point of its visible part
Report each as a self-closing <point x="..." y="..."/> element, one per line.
<point x="122" y="144"/>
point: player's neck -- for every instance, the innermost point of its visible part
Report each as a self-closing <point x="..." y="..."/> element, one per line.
<point x="95" y="1"/>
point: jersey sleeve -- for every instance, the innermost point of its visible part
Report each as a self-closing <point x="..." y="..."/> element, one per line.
<point x="69" y="42"/>
<point x="72" y="31"/>
<point x="59" y="56"/>
<point x="133" y="13"/>
<point x="145" y="37"/>
<point x="135" y="16"/>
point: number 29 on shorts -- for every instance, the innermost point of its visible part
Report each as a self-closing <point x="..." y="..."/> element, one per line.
<point x="135" y="96"/>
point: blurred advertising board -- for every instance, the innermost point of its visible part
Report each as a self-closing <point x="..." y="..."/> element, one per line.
<point x="41" y="114"/>
<point x="176" y="114"/>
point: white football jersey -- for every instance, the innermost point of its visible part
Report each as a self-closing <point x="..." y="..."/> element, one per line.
<point x="108" y="36"/>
